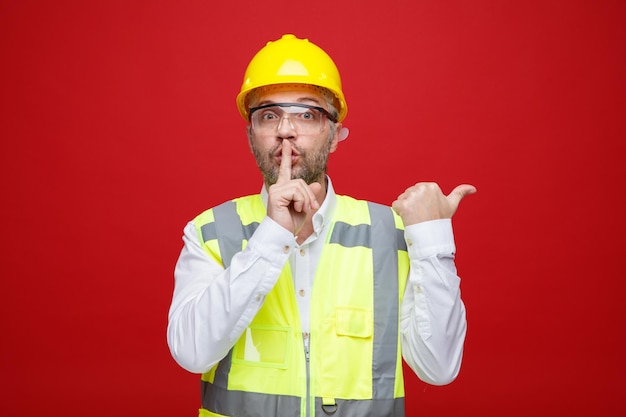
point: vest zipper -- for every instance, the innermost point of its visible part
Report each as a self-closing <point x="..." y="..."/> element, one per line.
<point x="308" y="374"/>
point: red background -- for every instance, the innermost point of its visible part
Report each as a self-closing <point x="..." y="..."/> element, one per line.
<point x="118" y="125"/>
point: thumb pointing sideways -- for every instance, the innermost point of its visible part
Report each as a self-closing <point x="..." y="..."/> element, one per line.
<point x="460" y="192"/>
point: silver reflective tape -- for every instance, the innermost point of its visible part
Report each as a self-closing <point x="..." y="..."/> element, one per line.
<point x="250" y="404"/>
<point x="229" y="232"/>
<point x="385" y="258"/>
<point x="228" y="224"/>
<point x="351" y="236"/>
<point x="391" y="407"/>
<point x="208" y="232"/>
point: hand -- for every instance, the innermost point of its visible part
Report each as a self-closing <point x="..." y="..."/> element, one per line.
<point x="291" y="201"/>
<point x="424" y="201"/>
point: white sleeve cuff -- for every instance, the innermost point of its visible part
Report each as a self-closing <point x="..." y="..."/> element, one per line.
<point x="430" y="238"/>
<point x="272" y="242"/>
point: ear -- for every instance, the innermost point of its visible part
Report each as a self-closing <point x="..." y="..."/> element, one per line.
<point x="335" y="140"/>
<point x="249" y="134"/>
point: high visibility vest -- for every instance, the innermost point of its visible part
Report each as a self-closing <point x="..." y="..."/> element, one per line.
<point x="354" y="363"/>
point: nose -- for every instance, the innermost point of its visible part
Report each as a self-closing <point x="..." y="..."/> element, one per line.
<point x="285" y="128"/>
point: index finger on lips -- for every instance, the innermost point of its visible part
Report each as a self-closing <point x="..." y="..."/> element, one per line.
<point x="284" y="171"/>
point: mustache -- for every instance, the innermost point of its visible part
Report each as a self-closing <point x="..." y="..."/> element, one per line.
<point x="273" y="151"/>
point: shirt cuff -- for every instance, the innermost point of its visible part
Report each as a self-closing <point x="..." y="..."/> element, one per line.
<point x="431" y="238"/>
<point x="272" y="242"/>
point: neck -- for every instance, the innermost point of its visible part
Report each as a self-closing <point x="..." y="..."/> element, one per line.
<point x="322" y="194"/>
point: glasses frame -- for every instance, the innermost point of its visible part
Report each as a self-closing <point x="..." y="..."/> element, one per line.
<point x="322" y="110"/>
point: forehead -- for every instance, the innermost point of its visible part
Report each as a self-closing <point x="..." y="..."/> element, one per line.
<point x="288" y="93"/>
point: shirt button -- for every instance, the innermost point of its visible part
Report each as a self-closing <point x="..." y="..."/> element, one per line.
<point x="418" y="288"/>
<point x="302" y="252"/>
<point x="306" y="335"/>
<point x="409" y="242"/>
<point x="301" y="292"/>
<point x="286" y="249"/>
<point x="257" y="298"/>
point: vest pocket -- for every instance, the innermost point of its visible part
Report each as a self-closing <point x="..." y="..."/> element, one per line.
<point x="264" y="346"/>
<point x="354" y="322"/>
<point x="343" y="354"/>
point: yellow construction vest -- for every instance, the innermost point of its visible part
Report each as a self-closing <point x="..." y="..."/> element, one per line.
<point x="354" y="364"/>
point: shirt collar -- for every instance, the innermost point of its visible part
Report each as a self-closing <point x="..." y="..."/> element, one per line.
<point x="322" y="217"/>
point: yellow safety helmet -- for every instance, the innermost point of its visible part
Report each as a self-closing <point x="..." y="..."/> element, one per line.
<point x="290" y="60"/>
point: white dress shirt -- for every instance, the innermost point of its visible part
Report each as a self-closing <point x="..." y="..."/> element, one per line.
<point x="212" y="306"/>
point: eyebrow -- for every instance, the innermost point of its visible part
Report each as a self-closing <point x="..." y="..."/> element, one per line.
<point x="300" y="100"/>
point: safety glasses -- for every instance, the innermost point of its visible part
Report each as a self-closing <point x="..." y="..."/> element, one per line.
<point x="303" y="118"/>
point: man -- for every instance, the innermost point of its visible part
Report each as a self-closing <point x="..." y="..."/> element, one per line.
<point x="302" y="302"/>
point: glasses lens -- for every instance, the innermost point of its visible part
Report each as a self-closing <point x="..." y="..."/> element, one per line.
<point x="303" y="118"/>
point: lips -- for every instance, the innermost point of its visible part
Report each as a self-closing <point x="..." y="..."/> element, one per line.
<point x="279" y="155"/>
<point x="279" y="158"/>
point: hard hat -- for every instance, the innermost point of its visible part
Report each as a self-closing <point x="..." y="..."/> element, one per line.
<point x="290" y="60"/>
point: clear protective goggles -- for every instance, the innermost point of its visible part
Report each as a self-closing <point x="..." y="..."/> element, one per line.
<point x="304" y="118"/>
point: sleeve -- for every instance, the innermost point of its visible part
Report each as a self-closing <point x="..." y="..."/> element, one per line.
<point x="432" y="318"/>
<point x="212" y="306"/>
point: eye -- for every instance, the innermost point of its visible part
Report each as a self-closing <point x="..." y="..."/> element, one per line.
<point x="269" y="115"/>
<point x="309" y="115"/>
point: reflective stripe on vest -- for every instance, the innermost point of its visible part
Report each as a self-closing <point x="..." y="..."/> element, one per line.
<point x="229" y="232"/>
<point x="255" y="404"/>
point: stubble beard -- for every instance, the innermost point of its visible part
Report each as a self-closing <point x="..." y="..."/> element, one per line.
<point x="311" y="167"/>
